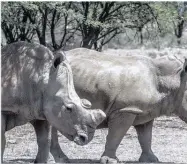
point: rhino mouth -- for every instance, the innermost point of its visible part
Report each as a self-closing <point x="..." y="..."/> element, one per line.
<point x="69" y="137"/>
<point x="80" y="138"/>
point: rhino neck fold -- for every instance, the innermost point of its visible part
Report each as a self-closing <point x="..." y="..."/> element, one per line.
<point x="168" y="83"/>
<point x="69" y="90"/>
<point x="173" y="90"/>
<point x="181" y="91"/>
<point x="61" y="84"/>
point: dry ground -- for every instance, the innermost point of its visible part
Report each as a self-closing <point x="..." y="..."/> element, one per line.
<point x="169" y="144"/>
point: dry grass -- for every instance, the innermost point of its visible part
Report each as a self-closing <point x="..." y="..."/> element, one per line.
<point x="169" y="144"/>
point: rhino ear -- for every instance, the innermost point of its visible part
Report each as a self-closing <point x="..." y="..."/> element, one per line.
<point x="59" y="57"/>
<point x="86" y="104"/>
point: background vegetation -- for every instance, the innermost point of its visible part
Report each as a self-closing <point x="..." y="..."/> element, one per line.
<point x="96" y="25"/>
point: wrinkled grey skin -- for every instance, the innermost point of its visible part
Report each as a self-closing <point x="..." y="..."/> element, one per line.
<point x="144" y="131"/>
<point x="38" y="88"/>
<point x="131" y="90"/>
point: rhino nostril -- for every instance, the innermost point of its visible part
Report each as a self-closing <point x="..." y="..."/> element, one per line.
<point x="82" y="138"/>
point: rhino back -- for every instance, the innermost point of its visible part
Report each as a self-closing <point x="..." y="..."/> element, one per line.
<point x="24" y="69"/>
<point x="104" y="78"/>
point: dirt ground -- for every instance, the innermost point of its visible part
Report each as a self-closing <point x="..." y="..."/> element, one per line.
<point x="169" y="144"/>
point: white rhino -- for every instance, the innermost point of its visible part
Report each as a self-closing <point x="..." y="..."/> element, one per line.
<point x="131" y="90"/>
<point x="38" y="88"/>
<point x="144" y="131"/>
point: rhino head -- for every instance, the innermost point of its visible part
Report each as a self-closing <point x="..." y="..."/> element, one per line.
<point x="64" y="109"/>
<point x="173" y="79"/>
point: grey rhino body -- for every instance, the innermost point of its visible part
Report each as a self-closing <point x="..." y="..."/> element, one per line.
<point x="130" y="90"/>
<point x="38" y="88"/>
<point x="144" y="131"/>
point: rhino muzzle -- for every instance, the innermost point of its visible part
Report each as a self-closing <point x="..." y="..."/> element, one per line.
<point x="81" y="139"/>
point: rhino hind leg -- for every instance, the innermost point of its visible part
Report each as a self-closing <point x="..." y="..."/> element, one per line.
<point x="144" y="132"/>
<point x="55" y="149"/>
<point x="43" y="135"/>
<point x="3" y="139"/>
<point x="118" y="126"/>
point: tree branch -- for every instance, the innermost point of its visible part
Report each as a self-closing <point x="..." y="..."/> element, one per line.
<point x="52" y="29"/>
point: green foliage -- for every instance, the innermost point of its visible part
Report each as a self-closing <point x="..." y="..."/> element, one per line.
<point x="96" y="23"/>
<point x="168" y="15"/>
<point x="102" y="21"/>
<point x="14" y="23"/>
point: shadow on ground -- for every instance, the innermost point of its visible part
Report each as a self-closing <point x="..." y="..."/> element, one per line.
<point x="83" y="161"/>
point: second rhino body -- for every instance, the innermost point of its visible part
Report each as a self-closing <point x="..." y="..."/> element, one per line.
<point x="131" y="90"/>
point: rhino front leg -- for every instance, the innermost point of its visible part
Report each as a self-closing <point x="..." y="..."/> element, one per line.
<point x="118" y="127"/>
<point x="144" y="132"/>
<point x="3" y="139"/>
<point x="43" y="134"/>
<point x="55" y="149"/>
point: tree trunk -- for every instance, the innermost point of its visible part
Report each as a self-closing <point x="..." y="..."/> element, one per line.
<point x="141" y="35"/>
<point x="87" y="42"/>
<point x="180" y="24"/>
<point x="179" y="30"/>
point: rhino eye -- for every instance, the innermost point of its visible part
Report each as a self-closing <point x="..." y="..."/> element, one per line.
<point x="69" y="109"/>
<point x="186" y="69"/>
